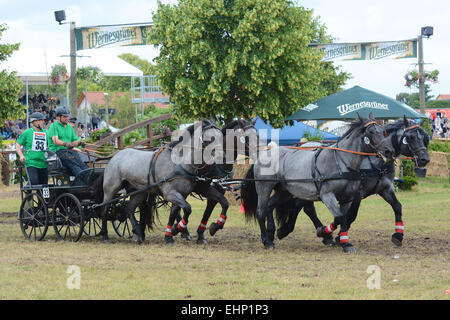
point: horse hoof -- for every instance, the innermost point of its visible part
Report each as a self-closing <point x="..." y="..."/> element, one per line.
<point x="281" y="234"/>
<point x="213" y="228"/>
<point x="349" y="249"/>
<point x="137" y="239"/>
<point x="269" y="246"/>
<point x="320" y="232"/>
<point x="397" y="239"/>
<point x="106" y="241"/>
<point x="185" y="235"/>
<point x="328" y="241"/>
<point x="169" y="240"/>
<point x="201" y="241"/>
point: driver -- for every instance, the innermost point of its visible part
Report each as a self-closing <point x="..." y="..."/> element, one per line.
<point x="34" y="141"/>
<point x="62" y="140"/>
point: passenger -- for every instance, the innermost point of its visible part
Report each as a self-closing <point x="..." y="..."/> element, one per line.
<point x="62" y="140"/>
<point x="73" y="122"/>
<point x="34" y="141"/>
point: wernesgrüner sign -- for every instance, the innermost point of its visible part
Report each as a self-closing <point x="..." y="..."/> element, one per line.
<point x="111" y="36"/>
<point x="347" y="108"/>
<point x="368" y="50"/>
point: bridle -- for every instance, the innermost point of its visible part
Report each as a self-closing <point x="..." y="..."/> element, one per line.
<point x="403" y="140"/>
<point x="367" y="140"/>
<point x="205" y="165"/>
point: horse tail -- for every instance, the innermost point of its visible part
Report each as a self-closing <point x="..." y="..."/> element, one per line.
<point x="249" y="196"/>
<point x="285" y="210"/>
<point x="150" y="209"/>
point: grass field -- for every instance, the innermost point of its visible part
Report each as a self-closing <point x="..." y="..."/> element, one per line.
<point x="234" y="264"/>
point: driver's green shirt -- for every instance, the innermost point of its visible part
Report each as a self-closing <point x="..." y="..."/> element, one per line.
<point x="34" y="144"/>
<point x="64" y="133"/>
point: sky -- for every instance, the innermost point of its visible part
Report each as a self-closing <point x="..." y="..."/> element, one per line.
<point x="32" y="23"/>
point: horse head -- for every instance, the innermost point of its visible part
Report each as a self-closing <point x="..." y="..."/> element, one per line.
<point x="414" y="142"/>
<point x="240" y="136"/>
<point x="199" y="145"/>
<point x="374" y="138"/>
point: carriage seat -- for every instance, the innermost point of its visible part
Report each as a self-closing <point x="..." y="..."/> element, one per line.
<point x="55" y="166"/>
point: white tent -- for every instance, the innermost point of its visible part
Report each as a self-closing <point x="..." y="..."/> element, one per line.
<point x="34" y="65"/>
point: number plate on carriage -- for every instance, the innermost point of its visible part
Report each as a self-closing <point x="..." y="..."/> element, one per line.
<point x="45" y="193"/>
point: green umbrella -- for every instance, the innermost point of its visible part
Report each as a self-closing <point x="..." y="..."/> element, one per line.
<point x="345" y="105"/>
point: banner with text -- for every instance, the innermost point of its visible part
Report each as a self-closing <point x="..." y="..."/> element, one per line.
<point x="111" y="36"/>
<point x="368" y="50"/>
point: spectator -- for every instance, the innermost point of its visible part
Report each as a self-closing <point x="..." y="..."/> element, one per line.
<point x="79" y="130"/>
<point x="95" y="119"/>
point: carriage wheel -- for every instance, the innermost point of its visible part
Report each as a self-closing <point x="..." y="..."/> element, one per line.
<point x="67" y="217"/>
<point x="124" y="229"/>
<point x="92" y="221"/>
<point x="33" y="217"/>
<point x="92" y="227"/>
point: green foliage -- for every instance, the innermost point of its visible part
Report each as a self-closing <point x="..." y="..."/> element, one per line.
<point x="408" y="168"/>
<point x="97" y="134"/>
<point x="125" y="110"/>
<point x="93" y="74"/>
<point x="317" y="136"/>
<point x="438" y="104"/>
<point x="132" y="137"/>
<point x="241" y="58"/>
<point x="413" y="99"/>
<point x="412" y="77"/>
<point x="437" y="145"/>
<point x="116" y="83"/>
<point x="408" y="183"/>
<point x="426" y="125"/>
<point x="409" y="175"/>
<point x="164" y="127"/>
<point x="10" y="85"/>
<point x="144" y="65"/>
<point x="59" y="74"/>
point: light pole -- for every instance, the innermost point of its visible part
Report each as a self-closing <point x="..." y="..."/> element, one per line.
<point x="106" y="109"/>
<point x="59" y="17"/>
<point x="425" y="32"/>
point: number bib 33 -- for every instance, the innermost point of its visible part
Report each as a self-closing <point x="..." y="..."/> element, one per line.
<point x="39" y="141"/>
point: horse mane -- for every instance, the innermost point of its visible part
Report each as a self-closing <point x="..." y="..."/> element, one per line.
<point x="400" y="124"/>
<point x="233" y="123"/>
<point x="397" y="125"/>
<point x="354" y="125"/>
<point x="189" y="129"/>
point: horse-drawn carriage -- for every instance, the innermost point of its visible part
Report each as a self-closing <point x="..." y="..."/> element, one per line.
<point x="73" y="206"/>
<point x="66" y="204"/>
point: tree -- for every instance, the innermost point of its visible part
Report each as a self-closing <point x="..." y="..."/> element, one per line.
<point x="241" y="58"/>
<point x="10" y="85"/>
<point x="413" y="99"/>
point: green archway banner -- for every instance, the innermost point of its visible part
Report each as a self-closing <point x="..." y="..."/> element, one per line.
<point x="345" y="105"/>
<point x="368" y="50"/>
<point x="111" y="36"/>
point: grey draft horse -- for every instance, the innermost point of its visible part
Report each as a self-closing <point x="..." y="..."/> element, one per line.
<point x="137" y="169"/>
<point x="408" y="139"/>
<point x="240" y="136"/>
<point x="327" y="175"/>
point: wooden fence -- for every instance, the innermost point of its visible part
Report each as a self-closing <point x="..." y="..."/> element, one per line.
<point x="117" y="137"/>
